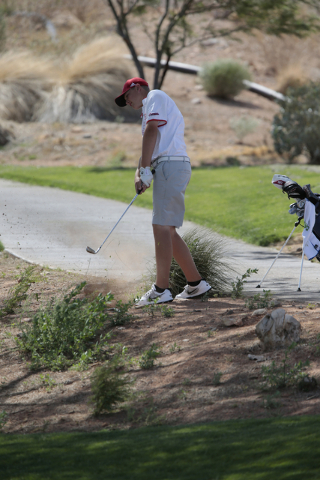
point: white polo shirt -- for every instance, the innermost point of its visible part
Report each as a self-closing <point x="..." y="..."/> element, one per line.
<point x="170" y="138"/>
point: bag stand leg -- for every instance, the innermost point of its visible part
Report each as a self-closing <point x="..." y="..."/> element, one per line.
<point x="299" y="289"/>
<point x="285" y="243"/>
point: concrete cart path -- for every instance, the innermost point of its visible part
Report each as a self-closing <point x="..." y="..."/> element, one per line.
<point x="52" y="227"/>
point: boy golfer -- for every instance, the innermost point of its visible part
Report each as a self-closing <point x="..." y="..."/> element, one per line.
<point x="165" y="160"/>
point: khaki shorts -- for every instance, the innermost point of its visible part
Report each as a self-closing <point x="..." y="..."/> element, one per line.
<point x="170" y="181"/>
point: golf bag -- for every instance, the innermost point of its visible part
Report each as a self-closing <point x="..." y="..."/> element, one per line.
<point x="307" y="207"/>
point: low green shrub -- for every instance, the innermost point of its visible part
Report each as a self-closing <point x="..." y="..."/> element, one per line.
<point x="243" y="126"/>
<point x="109" y="386"/>
<point x="238" y="285"/>
<point x="18" y="293"/>
<point x="67" y="331"/>
<point x="224" y="78"/>
<point x="1" y="247"/>
<point x="148" y="357"/>
<point x="120" y="314"/>
<point x="271" y="401"/>
<point x="295" y="129"/>
<point x="283" y="375"/>
<point x="217" y="378"/>
<point x="259" y="301"/>
<point x="3" y="419"/>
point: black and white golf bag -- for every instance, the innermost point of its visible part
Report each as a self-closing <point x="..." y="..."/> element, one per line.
<point x="306" y="207"/>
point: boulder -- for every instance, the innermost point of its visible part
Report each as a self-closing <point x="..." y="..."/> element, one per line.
<point x="278" y="329"/>
<point x="231" y="322"/>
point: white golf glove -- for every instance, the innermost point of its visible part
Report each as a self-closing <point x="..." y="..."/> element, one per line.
<point x="146" y="176"/>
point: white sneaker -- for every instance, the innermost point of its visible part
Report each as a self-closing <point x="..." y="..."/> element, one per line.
<point x="190" y="292"/>
<point x="152" y="295"/>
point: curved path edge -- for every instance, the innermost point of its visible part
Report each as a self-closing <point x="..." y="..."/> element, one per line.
<point x="52" y="227"/>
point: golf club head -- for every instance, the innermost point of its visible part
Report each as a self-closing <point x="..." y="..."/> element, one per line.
<point x="90" y="250"/>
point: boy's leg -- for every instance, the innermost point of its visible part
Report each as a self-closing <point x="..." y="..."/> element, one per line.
<point x="163" y="249"/>
<point x="168" y="243"/>
<point x="183" y="257"/>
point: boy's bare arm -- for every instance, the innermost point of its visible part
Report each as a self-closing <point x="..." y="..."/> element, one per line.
<point x="148" y="143"/>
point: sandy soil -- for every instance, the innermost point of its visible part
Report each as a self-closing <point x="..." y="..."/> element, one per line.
<point x="203" y="373"/>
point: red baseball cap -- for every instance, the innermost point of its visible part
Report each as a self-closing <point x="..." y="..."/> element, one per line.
<point x="132" y="82"/>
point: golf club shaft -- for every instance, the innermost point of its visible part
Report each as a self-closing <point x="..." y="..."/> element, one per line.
<point x="299" y="286"/>
<point x="119" y="220"/>
<point x="259" y="285"/>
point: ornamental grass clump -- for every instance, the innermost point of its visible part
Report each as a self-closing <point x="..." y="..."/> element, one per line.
<point x="224" y="78"/>
<point x="86" y="84"/>
<point x="24" y="81"/>
<point x="208" y="251"/>
<point x="67" y="332"/>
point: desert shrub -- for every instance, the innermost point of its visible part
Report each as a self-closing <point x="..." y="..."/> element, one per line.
<point x="109" y="386"/>
<point x="283" y="375"/>
<point x="18" y="293"/>
<point x="208" y="253"/>
<point x="260" y="301"/>
<point x="224" y="78"/>
<point x="149" y="356"/>
<point x="243" y="126"/>
<point x="3" y="419"/>
<point x="66" y="332"/>
<point x="295" y="129"/>
<point x="238" y="284"/>
<point x="120" y="314"/>
<point x="1" y="246"/>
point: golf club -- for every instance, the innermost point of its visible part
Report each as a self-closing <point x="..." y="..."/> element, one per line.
<point x="91" y="250"/>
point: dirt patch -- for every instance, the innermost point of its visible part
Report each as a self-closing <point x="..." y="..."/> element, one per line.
<point x="203" y="373"/>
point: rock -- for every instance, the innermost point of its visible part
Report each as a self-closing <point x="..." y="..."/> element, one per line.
<point x="195" y="101"/>
<point x="258" y="358"/>
<point x="307" y="383"/>
<point x="278" y="329"/>
<point x="260" y="311"/>
<point x="274" y="303"/>
<point x="230" y="322"/>
<point x="76" y="129"/>
<point x="210" y="41"/>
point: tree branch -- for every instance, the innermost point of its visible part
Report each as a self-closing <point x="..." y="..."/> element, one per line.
<point x="122" y="30"/>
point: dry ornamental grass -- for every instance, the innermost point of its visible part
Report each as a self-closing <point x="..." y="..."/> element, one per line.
<point x="80" y="90"/>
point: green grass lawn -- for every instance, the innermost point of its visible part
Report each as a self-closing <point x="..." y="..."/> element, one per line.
<point x="238" y="202"/>
<point x="278" y="448"/>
